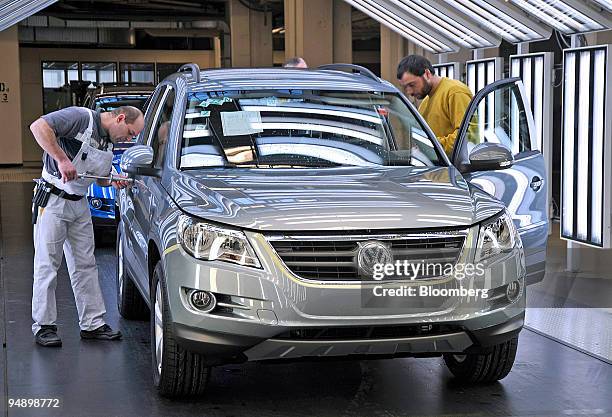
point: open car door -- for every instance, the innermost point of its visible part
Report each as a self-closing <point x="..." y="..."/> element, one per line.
<point x="499" y="113"/>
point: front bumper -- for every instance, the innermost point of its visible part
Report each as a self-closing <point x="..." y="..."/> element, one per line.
<point x="263" y="305"/>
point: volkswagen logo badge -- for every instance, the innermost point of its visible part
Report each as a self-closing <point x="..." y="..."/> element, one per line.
<point x="372" y="253"/>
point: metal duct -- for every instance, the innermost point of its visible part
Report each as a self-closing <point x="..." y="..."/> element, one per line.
<point x="119" y="37"/>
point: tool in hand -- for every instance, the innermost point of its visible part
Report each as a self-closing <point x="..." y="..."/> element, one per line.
<point x="111" y="177"/>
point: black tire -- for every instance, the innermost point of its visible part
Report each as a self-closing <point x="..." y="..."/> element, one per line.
<point x="181" y="373"/>
<point x="130" y="303"/>
<point x="486" y="367"/>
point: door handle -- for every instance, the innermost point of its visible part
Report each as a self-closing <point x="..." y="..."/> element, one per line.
<point x="536" y="183"/>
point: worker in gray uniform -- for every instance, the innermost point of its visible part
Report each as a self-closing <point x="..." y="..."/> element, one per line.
<point x="75" y="141"/>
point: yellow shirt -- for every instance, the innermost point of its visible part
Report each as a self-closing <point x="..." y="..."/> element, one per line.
<point x="444" y="110"/>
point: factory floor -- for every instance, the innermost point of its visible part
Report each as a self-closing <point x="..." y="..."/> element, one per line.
<point x="551" y="377"/>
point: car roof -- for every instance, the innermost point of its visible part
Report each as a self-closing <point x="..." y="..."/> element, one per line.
<point x="282" y="78"/>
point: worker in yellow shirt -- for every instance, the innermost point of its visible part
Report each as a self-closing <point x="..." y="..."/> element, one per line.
<point x="445" y="101"/>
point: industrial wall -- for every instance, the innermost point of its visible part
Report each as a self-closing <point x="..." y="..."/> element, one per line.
<point x="10" y="98"/>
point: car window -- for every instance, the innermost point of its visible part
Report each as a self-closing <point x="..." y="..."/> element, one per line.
<point x="302" y="128"/>
<point x="501" y="118"/>
<point x="161" y="130"/>
<point x="151" y="113"/>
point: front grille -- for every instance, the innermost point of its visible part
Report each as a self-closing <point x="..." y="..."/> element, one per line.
<point x="368" y="332"/>
<point x="336" y="258"/>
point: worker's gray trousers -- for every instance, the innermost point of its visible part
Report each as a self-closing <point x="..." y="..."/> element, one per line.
<point x="66" y="225"/>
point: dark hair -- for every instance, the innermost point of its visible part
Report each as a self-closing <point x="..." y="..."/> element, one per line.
<point x="414" y="64"/>
<point x="294" y="62"/>
<point x="131" y="113"/>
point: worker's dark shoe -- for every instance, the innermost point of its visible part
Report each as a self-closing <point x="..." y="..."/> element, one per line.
<point x="47" y="336"/>
<point x="104" y="332"/>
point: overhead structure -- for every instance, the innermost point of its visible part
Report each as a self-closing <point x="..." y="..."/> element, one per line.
<point x="605" y="4"/>
<point x="400" y="22"/>
<point x="497" y="17"/>
<point x="586" y="154"/>
<point x="567" y="16"/>
<point x="14" y="11"/>
<point x="444" y="26"/>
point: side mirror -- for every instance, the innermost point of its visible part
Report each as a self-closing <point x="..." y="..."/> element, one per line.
<point x="490" y="157"/>
<point x="138" y="160"/>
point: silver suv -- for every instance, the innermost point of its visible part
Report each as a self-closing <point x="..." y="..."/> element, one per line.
<point x="280" y="214"/>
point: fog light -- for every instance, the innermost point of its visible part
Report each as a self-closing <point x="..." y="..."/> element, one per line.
<point x="203" y="301"/>
<point x="513" y="291"/>
<point x="96" y="203"/>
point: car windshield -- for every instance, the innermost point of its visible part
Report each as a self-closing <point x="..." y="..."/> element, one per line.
<point x="302" y="129"/>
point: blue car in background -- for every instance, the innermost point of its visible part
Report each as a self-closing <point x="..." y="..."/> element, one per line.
<point x="107" y="97"/>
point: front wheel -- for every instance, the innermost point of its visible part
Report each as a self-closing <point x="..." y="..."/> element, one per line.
<point x="484" y="367"/>
<point x="176" y="371"/>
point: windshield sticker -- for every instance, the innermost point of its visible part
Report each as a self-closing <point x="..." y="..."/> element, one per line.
<point x="215" y="101"/>
<point x="237" y="123"/>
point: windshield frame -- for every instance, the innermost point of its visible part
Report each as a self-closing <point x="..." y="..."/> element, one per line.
<point x="443" y="159"/>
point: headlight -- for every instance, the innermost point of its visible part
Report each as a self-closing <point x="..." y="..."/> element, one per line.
<point x="496" y="236"/>
<point x="210" y="243"/>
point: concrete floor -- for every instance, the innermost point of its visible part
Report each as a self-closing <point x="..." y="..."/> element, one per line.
<point x="114" y="379"/>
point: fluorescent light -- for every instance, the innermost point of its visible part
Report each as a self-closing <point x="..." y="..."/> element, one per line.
<point x="514" y="115"/>
<point x="530" y="68"/>
<point x="606" y="4"/>
<point x="598" y="144"/>
<point x="443" y="23"/>
<point x="471" y="76"/>
<point x="567" y="176"/>
<point x="583" y="144"/>
<point x="446" y="70"/>
<point x="481" y="106"/>
<point x="495" y="20"/>
<point x="584" y="182"/>
<point x="559" y="15"/>
<point x="480" y="73"/>
<point x="396" y="23"/>
<point x="538" y="100"/>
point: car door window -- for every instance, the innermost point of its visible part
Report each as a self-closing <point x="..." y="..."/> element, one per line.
<point x="500" y="117"/>
<point x="150" y="114"/>
<point x="158" y="138"/>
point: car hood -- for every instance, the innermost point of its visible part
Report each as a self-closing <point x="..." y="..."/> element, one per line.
<point x="345" y="198"/>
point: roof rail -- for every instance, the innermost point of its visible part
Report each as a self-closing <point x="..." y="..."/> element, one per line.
<point x="195" y="71"/>
<point x="355" y="69"/>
